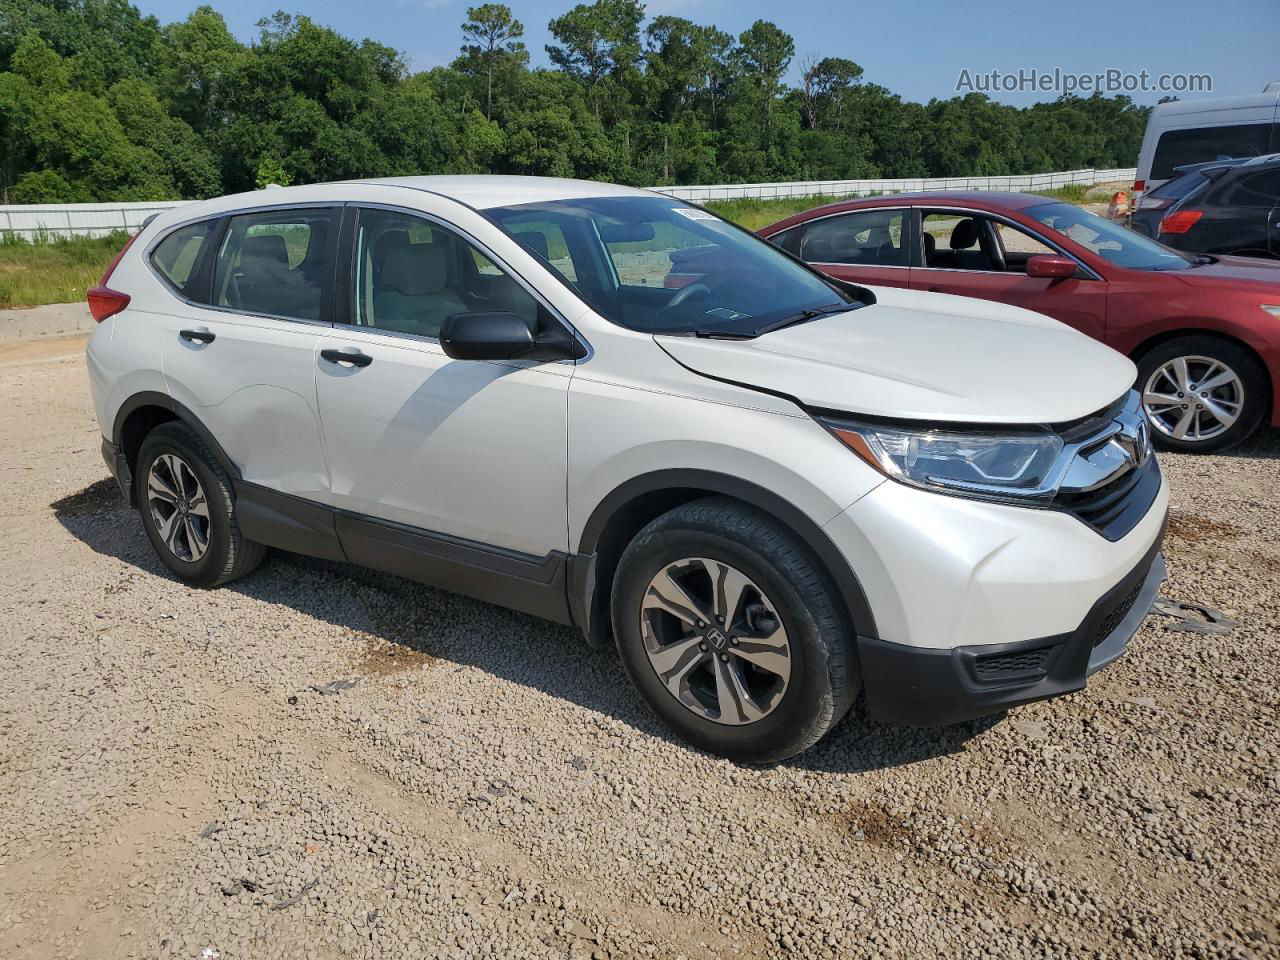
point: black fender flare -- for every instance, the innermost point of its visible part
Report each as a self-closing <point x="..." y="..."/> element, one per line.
<point x="810" y="533"/>
<point x="153" y="398"/>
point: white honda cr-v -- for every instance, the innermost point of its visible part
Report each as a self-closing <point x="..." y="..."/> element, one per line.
<point x="609" y="408"/>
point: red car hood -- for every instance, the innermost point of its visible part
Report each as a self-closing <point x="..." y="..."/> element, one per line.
<point x="1237" y="273"/>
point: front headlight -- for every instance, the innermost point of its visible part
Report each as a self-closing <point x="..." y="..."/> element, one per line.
<point x="1018" y="466"/>
<point x="1273" y="309"/>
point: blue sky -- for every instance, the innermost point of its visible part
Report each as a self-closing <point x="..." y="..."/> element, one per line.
<point x="917" y="49"/>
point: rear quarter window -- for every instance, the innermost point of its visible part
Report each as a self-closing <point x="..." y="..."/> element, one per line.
<point x="176" y="256"/>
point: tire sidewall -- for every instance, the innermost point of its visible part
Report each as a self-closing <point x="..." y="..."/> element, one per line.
<point x="167" y="439"/>
<point x="1252" y="376"/>
<point x="808" y="701"/>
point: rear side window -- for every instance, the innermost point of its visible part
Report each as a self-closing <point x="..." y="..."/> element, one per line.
<point x="177" y="254"/>
<point x="1254" y="190"/>
<point x="274" y="263"/>
<point x="1180" y="187"/>
<point x="1179" y="147"/>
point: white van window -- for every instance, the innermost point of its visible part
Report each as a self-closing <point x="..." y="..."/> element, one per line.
<point x="1200" y="144"/>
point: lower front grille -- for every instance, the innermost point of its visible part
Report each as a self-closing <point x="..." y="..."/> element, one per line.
<point x="1117" y="613"/>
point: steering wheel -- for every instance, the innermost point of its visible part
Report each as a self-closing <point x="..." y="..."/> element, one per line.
<point x="685" y="294"/>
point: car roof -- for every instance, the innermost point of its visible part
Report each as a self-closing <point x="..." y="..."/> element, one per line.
<point x="487" y="191"/>
<point x="1215" y="104"/>
<point x="1227" y="164"/>
<point x="478" y="192"/>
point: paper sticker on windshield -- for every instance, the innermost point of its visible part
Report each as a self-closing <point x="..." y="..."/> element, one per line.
<point x="695" y="213"/>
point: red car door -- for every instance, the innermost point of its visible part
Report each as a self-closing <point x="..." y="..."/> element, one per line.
<point x="863" y="246"/>
<point x="974" y="255"/>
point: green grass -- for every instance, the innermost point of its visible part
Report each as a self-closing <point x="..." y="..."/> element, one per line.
<point x="1071" y="193"/>
<point x="754" y="214"/>
<point x="53" y="270"/>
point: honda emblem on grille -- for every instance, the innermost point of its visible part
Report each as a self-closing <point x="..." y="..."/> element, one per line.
<point x="1136" y="445"/>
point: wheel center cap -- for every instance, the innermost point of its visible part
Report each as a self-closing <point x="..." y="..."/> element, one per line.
<point x="716" y="638"/>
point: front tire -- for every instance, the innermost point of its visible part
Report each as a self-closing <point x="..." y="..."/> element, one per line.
<point x="1202" y="394"/>
<point x="732" y="633"/>
<point x="188" y="509"/>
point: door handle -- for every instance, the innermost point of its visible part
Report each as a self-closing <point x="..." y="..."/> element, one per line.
<point x="341" y="356"/>
<point x="201" y="336"/>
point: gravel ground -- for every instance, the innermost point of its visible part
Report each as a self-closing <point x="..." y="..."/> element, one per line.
<point x="179" y="781"/>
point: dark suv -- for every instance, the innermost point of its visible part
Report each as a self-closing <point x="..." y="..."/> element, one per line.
<point x="1222" y="207"/>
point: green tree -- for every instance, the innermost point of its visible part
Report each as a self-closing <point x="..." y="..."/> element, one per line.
<point x="598" y="41"/>
<point x="495" y="47"/>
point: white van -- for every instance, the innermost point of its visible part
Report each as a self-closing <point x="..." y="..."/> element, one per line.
<point x="1193" y="131"/>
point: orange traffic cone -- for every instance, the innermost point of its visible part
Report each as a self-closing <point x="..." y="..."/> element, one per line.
<point x="1119" y="206"/>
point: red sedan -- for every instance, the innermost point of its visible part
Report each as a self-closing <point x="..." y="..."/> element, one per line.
<point x="1204" y="331"/>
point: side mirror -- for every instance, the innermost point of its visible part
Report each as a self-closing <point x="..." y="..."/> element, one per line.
<point x="485" y="336"/>
<point x="1051" y="266"/>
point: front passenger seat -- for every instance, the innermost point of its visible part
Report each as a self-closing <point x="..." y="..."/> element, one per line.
<point x="415" y="297"/>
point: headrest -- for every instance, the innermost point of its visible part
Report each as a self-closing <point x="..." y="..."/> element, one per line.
<point x="269" y="247"/>
<point x="965" y="235"/>
<point x="315" y="241"/>
<point x="416" y="269"/>
<point x="930" y="245"/>
<point x="389" y="241"/>
<point x="537" y="242"/>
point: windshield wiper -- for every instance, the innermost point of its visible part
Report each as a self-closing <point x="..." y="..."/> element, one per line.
<point x="719" y="334"/>
<point x="804" y="316"/>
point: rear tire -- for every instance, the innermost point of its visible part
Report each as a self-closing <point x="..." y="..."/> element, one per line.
<point x="1169" y="398"/>
<point x="188" y="509"/>
<point x="780" y="670"/>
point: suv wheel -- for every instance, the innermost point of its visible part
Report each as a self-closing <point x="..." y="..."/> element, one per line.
<point x="1202" y="393"/>
<point x="732" y="633"/>
<point x="185" y="497"/>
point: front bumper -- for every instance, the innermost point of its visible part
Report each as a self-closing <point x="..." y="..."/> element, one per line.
<point x="919" y="686"/>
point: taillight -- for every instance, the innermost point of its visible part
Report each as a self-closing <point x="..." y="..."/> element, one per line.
<point x="103" y="301"/>
<point x="1139" y="186"/>
<point x="1180" y="222"/>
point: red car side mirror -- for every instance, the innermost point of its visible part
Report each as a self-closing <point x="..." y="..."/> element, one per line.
<point x="1051" y="266"/>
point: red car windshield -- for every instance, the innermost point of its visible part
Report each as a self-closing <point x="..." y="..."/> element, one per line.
<point x="1114" y="243"/>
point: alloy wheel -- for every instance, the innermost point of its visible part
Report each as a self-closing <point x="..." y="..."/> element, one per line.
<point x="715" y="641"/>
<point x="1193" y="398"/>
<point x="178" y="507"/>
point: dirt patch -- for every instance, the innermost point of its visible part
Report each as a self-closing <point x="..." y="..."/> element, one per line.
<point x="877" y="825"/>
<point x="22" y="352"/>
<point x="1195" y="528"/>
<point x="382" y="659"/>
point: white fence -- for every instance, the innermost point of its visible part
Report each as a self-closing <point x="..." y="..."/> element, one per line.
<point x="86" y="219"/>
<point x="98" y="219"/>
<point x="1028" y="183"/>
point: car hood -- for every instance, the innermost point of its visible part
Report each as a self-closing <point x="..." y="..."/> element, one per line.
<point x="923" y="356"/>
<point x="1238" y="273"/>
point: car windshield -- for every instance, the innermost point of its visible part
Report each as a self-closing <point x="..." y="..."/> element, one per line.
<point x="1111" y="241"/>
<point x="658" y="265"/>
